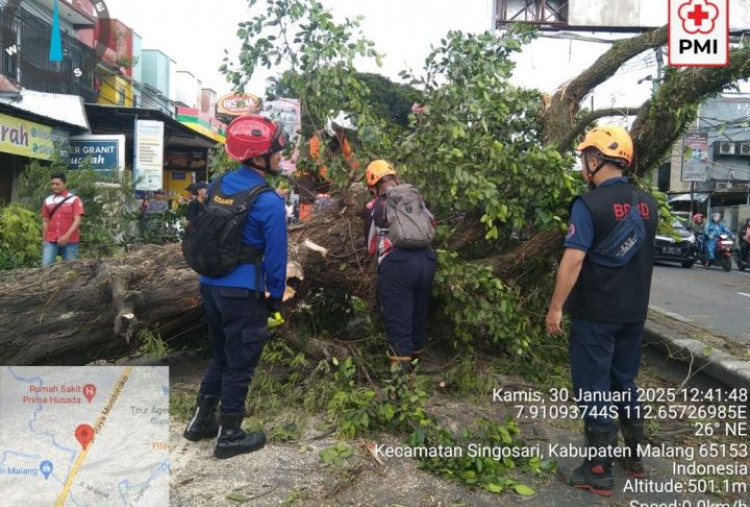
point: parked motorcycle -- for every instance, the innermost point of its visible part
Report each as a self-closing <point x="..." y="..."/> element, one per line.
<point x="722" y="252"/>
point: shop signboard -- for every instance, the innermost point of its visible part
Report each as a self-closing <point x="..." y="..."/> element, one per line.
<point x="26" y="138"/>
<point x="100" y="153"/>
<point x="186" y="159"/>
<point x="238" y="104"/>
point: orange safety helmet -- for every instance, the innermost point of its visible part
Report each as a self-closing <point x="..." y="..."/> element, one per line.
<point x="253" y="135"/>
<point x="614" y="143"/>
<point x="377" y="170"/>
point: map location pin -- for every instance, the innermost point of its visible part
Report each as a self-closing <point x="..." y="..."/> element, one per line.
<point x="46" y="468"/>
<point x="84" y="434"/>
<point x="89" y="391"/>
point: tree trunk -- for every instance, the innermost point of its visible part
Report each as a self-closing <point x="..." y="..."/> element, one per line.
<point x="78" y="312"/>
<point x="74" y="313"/>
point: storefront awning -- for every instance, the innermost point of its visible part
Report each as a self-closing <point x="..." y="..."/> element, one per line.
<point x="121" y="120"/>
<point x="697" y="197"/>
<point x="53" y="109"/>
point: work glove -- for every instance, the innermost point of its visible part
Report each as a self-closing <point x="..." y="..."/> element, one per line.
<point x="274" y="312"/>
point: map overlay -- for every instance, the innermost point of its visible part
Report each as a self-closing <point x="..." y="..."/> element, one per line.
<point x="84" y="436"/>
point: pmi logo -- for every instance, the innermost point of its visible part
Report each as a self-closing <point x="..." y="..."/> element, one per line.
<point x="698" y="33"/>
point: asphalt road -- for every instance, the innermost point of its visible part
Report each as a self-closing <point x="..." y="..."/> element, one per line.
<point x="710" y="298"/>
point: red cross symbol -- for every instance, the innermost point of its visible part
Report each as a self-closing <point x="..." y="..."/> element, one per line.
<point x="698" y="15"/>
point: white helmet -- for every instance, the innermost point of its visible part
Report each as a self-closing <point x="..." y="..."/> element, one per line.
<point x="341" y="120"/>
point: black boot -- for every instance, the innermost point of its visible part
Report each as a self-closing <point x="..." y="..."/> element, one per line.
<point x="203" y="422"/>
<point x="632" y="434"/>
<point x="233" y="440"/>
<point x="595" y="474"/>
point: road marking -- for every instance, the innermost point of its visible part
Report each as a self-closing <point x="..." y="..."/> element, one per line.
<point x="743" y="294"/>
<point x="97" y="428"/>
<point x="674" y="315"/>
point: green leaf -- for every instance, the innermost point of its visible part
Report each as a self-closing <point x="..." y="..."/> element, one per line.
<point x="237" y="497"/>
<point x="524" y="490"/>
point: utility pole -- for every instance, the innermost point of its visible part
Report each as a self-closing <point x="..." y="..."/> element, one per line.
<point x="659" y="69"/>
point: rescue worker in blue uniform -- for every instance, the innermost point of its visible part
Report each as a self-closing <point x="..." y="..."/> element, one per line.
<point x="608" y="306"/>
<point x="711" y="236"/>
<point x="235" y="306"/>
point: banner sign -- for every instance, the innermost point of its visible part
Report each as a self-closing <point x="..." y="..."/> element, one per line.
<point x="149" y="155"/>
<point x="287" y="113"/>
<point x="694" y="168"/>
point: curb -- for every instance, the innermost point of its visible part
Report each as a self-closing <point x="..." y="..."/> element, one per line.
<point x="727" y="370"/>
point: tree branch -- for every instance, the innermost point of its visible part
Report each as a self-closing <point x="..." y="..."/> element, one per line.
<point x="542" y="243"/>
<point x="595" y="115"/>
<point x="664" y="118"/>
<point x="560" y="114"/>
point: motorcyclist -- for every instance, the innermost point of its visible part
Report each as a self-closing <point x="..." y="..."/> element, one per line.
<point x="744" y="235"/>
<point x="698" y="227"/>
<point x="711" y="235"/>
<point x="698" y="224"/>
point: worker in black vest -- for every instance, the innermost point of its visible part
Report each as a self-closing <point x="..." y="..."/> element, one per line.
<point x="608" y="306"/>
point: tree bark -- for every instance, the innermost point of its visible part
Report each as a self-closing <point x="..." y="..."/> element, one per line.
<point x="78" y="312"/>
<point x="75" y="313"/>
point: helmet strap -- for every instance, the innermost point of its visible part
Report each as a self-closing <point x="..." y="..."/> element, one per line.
<point x="267" y="168"/>
<point x="598" y="167"/>
<point x="602" y="162"/>
<point x="267" y="158"/>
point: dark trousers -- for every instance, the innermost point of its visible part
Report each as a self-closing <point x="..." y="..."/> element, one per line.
<point x="404" y="289"/>
<point x="604" y="359"/>
<point x="238" y="324"/>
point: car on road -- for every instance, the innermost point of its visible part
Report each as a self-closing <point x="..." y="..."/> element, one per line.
<point x="680" y="248"/>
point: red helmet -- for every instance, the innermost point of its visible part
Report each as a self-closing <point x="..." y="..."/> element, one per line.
<point x="253" y="135"/>
<point x="697" y="217"/>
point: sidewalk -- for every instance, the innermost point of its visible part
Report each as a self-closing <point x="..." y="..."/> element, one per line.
<point x="722" y="359"/>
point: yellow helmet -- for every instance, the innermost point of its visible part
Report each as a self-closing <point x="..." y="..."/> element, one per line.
<point x="612" y="142"/>
<point x="377" y="170"/>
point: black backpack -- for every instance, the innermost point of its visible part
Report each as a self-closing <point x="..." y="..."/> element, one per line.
<point x="213" y="245"/>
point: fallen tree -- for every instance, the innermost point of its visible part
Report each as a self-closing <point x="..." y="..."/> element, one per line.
<point x="492" y="161"/>
<point x="78" y="312"/>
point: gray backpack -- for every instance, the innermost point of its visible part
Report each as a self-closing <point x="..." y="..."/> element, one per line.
<point x="409" y="223"/>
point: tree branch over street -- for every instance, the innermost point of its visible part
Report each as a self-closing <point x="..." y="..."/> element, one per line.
<point x="592" y="116"/>
<point x="565" y="103"/>
<point x="665" y="117"/>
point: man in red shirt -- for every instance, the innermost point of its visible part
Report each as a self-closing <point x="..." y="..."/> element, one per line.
<point x="61" y="219"/>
